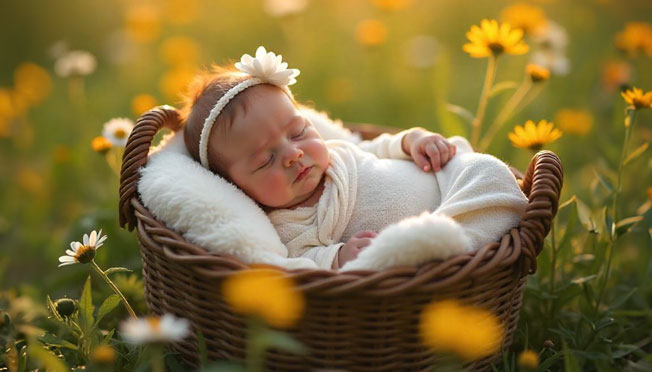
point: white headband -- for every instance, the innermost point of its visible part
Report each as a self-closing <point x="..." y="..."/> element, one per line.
<point x="267" y="67"/>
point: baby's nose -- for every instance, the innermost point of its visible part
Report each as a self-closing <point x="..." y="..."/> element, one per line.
<point x="293" y="156"/>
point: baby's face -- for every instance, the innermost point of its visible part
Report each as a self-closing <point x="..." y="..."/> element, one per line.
<point x="271" y="152"/>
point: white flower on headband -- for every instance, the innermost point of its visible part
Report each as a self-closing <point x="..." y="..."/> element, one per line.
<point x="268" y="67"/>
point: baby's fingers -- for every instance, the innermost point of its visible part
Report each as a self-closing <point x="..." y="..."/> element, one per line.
<point x="444" y="155"/>
<point x="421" y="161"/>
<point x="365" y="234"/>
<point x="433" y="153"/>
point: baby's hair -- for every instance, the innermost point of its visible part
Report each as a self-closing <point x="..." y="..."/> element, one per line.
<point x="204" y="91"/>
<point x="200" y="97"/>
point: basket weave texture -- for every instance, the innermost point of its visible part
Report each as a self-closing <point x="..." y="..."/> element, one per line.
<point x="354" y="321"/>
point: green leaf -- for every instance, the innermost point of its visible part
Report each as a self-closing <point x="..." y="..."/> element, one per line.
<point x="109" y="304"/>
<point x="113" y="270"/>
<point x="86" y="308"/>
<point x="283" y="341"/>
<point x="584" y="214"/>
<point x="53" y="309"/>
<point x="460" y="111"/>
<point x="502" y="86"/>
<point x="603" y="181"/>
<point x="52" y="340"/>
<point x="636" y="153"/>
<point x="584" y="279"/>
<point x="49" y="360"/>
<point x="108" y="337"/>
<point x="626" y="224"/>
<point x="625" y="349"/>
<point x="570" y="362"/>
<point x="622" y="298"/>
<point x="201" y="344"/>
<point x="567" y="202"/>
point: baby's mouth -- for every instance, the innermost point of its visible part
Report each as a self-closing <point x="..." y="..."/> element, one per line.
<point x="303" y="174"/>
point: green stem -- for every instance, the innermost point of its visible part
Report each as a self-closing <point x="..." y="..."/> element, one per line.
<point x="507" y="112"/>
<point x="255" y="347"/>
<point x="484" y="97"/>
<point x="158" y="359"/>
<point x="554" y="258"/>
<point x="114" y="287"/>
<point x="629" y="122"/>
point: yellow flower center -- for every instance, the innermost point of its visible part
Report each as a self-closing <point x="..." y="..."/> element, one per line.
<point x="85" y="254"/>
<point x="154" y="322"/>
<point x="120" y="133"/>
<point x="496" y="47"/>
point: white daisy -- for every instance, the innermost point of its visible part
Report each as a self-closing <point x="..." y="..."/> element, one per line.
<point x="83" y="252"/>
<point x="118" y="130"/>
<point x="75" y="63"/>
<point x="268" y="67"/>
<point x="167" y="328"/>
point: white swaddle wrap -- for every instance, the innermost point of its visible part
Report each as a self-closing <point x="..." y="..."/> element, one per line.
<point x="473" y="200"/>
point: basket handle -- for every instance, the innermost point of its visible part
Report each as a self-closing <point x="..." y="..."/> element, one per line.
<point x="542" y="184"/>
<point x="135" y="155"/>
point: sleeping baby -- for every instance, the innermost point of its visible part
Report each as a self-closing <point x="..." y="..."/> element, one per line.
<point x="328" y="200"/>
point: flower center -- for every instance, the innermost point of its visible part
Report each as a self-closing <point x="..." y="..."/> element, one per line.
<point x="85" y="254"/>
<point x="496" y="47"/>
<point x="154" y="322"/>
<point x="120" y="133"/>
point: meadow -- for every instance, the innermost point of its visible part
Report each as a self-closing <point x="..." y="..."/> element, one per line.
<point x="573" y="77"/>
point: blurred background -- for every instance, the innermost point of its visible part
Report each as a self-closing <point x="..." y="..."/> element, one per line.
<point x="68" y="67"/>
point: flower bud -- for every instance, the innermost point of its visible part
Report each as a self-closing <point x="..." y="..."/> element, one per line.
<point x="549" y="344"/>
<point x="101" y="144"/>
<point x="537" y="73"/>
<point x="65" y="307"/>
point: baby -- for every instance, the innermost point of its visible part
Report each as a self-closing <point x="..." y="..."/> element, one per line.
<point x="326" y="199"/>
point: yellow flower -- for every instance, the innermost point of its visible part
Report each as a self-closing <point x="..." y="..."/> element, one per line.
<point x="32" y="82"/>
<point x="265" y="293"/>
<point x="103" y="354"/>
<point x="574" y="121"/>
<point x="537" y="73"/>
<point x="493" y="38"/>
<point x="528" y="359"/>
<point x="636" y="37"/>
<point x="142" y="103"/>
<point x="142" y="23"/>
<point x="392" y="5"/>
<point x="534" y="136"/>
<point x="649" y="193"/>
<point x="616" y="74"/>
<point x="181" y="12"/>
<point x="470" y="332"/>
<point x="635" y="97"/>
<point x="101" y="144"/>
<point x="371" y="32"/>
<point x="531" y="19"/>
<point x="30" y="180"/>
<point x="176" y="81"/>
<point x="179" y="51"/>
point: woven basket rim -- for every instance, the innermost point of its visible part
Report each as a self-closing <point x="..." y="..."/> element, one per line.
<point x="519" y="247"/>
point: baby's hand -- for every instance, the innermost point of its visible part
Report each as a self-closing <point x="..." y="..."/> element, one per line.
<point x="354" y="246"/>
<point x="429" y="150"/>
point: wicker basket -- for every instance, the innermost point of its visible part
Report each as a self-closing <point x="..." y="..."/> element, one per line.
<point x="354" y="321"/>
